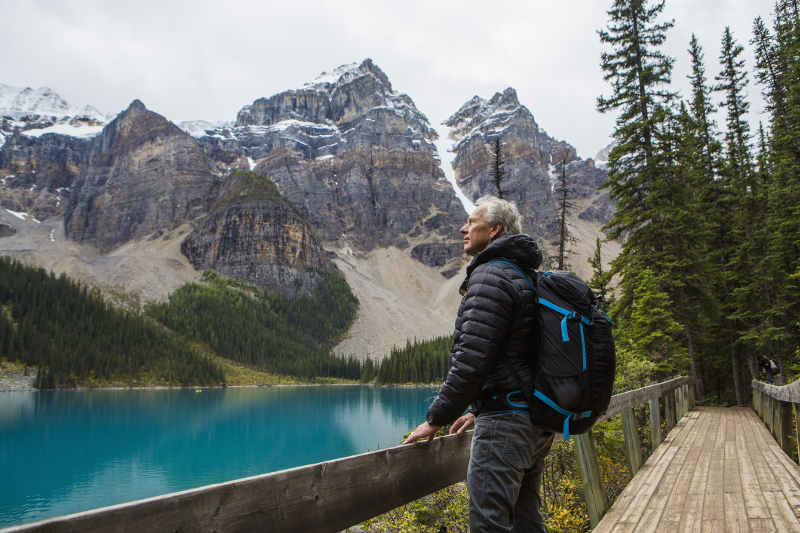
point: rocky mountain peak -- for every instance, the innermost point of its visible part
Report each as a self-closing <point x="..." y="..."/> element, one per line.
<point x="345" y="74"/>
<point x="488" y="116"/>
<point x="338" y="100"/>
<point x="534" y="163"/>
<point x="19" y="102"/>
<point x="144" y="174"/>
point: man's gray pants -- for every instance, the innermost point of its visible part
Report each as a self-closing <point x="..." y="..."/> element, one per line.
<point x="504" y="478"/>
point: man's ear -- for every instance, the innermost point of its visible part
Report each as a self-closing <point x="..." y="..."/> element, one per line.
<point x="497" y="229"/>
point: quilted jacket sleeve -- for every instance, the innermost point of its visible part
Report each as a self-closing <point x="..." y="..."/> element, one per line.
<point x="486" y="314"/>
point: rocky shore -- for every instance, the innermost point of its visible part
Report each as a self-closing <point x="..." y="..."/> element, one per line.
<point x="13" y="378"/>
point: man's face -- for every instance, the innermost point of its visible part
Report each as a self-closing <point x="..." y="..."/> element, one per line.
<point x="477" y="233"/>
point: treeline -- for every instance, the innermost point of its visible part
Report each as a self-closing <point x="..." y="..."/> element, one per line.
<point x="418" y="362"/>
<point x="709" y="215"/>
<point x="74" y="336"/>
<point x="269" y="332"/>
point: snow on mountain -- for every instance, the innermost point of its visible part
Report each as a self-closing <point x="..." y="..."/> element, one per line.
<point x="41" y="101"/>
<point x="42" y="110"/>
<point x="327" y="79"/>
<point x="200" y="128"/>
<point x="601" y="159"/>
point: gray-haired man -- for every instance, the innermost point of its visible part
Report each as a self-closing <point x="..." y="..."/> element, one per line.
<point x="495" y="321"/>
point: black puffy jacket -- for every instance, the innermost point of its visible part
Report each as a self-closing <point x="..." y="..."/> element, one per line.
<point x="496" y="314"/>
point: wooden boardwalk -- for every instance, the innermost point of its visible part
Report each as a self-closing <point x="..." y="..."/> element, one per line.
<point x="719" y="470"/>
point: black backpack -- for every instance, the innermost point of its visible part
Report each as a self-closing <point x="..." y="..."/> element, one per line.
<point x="573" y="355"/>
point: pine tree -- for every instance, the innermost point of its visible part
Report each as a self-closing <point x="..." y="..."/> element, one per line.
<point x="600" y="278"/>
<point x="777" y="70"/>
<point x="498" y="162"/>
<point x="732" y="82"/>
<point x="564" y="205"/>
<point x="652" y="181"/>
<point x="653" y="328"/>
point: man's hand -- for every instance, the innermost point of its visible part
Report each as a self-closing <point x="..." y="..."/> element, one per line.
<point x="462" y="424"/>
<point x="423" y="430"/>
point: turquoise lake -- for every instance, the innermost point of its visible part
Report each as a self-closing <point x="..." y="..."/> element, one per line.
<point x="62" y="452"/>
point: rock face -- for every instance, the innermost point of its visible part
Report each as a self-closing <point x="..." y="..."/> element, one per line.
<point x="38" y="172"/>
<point x="144" y="174"/>
<point x="253" y="235"/>
<point x="356" y="158"/>
<point x="533" y="162"/>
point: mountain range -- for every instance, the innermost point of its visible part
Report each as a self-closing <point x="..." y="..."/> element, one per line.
<point x="343" y="172"/>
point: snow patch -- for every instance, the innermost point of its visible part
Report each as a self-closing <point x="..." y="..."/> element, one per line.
<point x="21" y="216"/>
<point x="81" y="130"/>
<point x="251" y="163"/>
<point x="446" y="158"/>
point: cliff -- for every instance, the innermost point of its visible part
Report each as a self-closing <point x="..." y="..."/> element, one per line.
<point x="144" y="175"/>
<point x="254" y="235"/>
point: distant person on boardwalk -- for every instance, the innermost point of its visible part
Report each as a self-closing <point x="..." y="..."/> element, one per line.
<point x="768" y="366"/>
<point x="496" y="315"/>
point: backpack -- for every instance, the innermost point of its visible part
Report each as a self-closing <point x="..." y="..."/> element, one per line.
<point x="773" y="366"/>
<point x="573" y="355"/>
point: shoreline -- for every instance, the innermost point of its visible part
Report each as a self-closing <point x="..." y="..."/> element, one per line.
<point x="200" y="388"/>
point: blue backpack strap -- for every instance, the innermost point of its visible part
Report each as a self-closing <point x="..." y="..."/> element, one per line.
<point x="568" y="414"/>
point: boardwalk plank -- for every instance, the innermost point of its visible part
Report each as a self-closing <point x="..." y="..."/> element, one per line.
<point x="779" y="523"/>
<point x="754" y="500"/>
<point x="719" y="470"/>
<point x="713" y="507"/>
<point x="735" y="514"/>
<point x="674" y="509"/>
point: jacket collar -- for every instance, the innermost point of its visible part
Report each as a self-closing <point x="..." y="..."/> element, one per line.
<point x="519" y="249"/>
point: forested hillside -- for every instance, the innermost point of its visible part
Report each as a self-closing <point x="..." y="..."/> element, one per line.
<point x="266" y="331"/>
<point x="76" y="338"/>
<point x="708" y="207"/>
<point x="425" y="361"/>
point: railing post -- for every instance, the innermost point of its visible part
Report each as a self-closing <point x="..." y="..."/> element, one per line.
<point x="669" y="404"/>
<point x="655" y="423"/>
<point x="692" y="398"/>
<point x="784" y="427"/>
<point x="686" y="401"/>
<point x="797" y="426"/>
<point x="757" y="401"/>
<point x="679" y="404"/>
<point x="633" y="452"/>
<point x="593" y="490"/>
<point x="769" y="414"/>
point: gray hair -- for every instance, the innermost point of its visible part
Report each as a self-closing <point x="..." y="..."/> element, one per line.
<point x="506" y="213"/>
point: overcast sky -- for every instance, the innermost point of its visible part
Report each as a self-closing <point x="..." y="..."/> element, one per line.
<point x="205" y="59"/>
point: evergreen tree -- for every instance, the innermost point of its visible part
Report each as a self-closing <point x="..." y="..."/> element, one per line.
<point x="732" y="82"/>
<point x="653" y="329"/>
<point x="498" y="162"/>
<point x="564" y="205"/>
<point x="649" y="176"/>
<point x="778" y="69"/>
<point x="600" y="279"/>
<point x="715" y="201"/>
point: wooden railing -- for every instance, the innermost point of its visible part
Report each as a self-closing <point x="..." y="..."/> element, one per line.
<point x="774" y="405"/>
<point x="335" y="495"/>
<point x="678" y="397"/>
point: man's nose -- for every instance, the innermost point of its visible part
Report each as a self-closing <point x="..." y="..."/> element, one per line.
<point x="464" y="229"/>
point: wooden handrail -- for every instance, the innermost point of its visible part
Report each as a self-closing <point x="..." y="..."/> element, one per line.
<point x="334" y="495"/>
<point x="635" y="398"/>
<point x="785" y="393"/>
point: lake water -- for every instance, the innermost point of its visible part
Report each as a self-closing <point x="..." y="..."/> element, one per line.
<point x="62" y="452"/>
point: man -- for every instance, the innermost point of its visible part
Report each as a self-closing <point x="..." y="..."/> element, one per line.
<point x="493" y="328"/>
